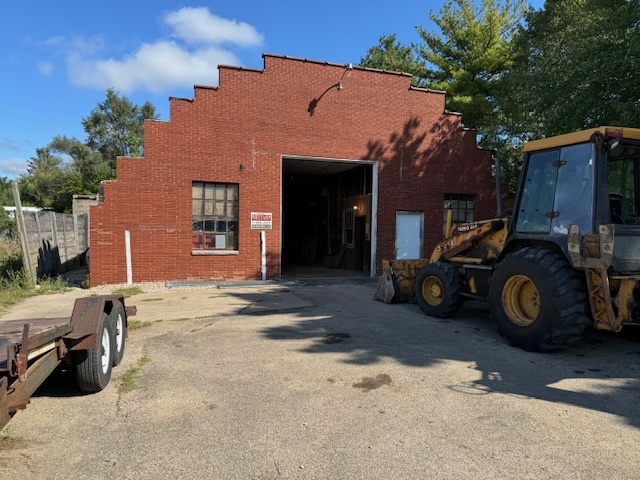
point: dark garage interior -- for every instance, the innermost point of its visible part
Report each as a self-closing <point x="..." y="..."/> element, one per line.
<point x="326" y="212"/>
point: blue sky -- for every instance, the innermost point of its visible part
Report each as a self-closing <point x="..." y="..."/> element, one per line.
<point x="60" y="57"/>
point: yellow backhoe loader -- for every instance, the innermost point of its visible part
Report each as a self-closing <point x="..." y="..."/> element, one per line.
<point x="568" y="255"/>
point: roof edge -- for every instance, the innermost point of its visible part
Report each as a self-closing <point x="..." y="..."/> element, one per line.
<point x="429" y="90"/>
<point x="237" y="67"/>
<point x="332" y="64"/>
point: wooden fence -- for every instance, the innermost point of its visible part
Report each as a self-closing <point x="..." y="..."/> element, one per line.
<point x="54" y="242"/>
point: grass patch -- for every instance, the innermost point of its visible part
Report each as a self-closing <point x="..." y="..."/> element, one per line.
<point x="15" y="285"/>
<point x="128" y="291"/>
<point x="52" y="285"/>
<point x="128" y="379"/>
<point x="137" y="324"/>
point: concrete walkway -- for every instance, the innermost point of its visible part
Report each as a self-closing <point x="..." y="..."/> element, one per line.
<point x="170" y="304"/>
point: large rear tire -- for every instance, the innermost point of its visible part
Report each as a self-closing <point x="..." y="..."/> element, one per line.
<point x="93" y="367"/>
<point x="438" y="290"/>
<point x="538" y="300"/>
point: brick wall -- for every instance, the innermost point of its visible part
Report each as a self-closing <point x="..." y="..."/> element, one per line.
<point x="237" y="133"/>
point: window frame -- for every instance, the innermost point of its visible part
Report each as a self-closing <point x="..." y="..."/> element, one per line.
<point x="468" y="212"/>
<point x="348" y="227"/>
<point x="214" y="217"/>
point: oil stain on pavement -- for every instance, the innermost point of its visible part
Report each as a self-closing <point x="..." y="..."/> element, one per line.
<point x="371" y="383"/>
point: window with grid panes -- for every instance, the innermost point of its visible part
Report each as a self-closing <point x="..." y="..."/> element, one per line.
<point x="463" y="207"/>
<point x="347" y="227"/>
<point x="215" y="216"/>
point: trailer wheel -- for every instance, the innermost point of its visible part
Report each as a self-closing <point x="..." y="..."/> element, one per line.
<point x="93" y="367"/>
<point x="438" y="290"/>
<point x="118" y="323"/>
<point x="538" y="300"/>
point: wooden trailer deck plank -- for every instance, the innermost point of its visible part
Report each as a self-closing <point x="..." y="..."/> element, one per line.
<point x="40" y="329"/>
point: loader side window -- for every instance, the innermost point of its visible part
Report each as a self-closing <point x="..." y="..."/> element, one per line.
<point x="574" y="193"/>
<point x="214" y="216"/>
<point x="622" y="190"/>
<point x="538" y="193"/>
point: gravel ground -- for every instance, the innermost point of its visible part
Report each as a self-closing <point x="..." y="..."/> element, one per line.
<point x="76" y="278"/>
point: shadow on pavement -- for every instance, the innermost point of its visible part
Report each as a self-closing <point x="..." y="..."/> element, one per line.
<point x="600" y="373"/>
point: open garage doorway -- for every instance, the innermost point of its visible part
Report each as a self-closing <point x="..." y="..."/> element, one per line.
<point x="328" y="217"/>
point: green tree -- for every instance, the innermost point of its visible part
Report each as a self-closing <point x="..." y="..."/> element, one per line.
<point x="577" y="68"/>
<point x="6" y="194"/>
<point x="470" y="56"/>
<point x="390" y="54"/>
<point x="68" y="166"/>
<point x="7" y="225"/>
<point x="43" y="182"/>
<point x="86" y="168"/>
<point x="116" y="127"/>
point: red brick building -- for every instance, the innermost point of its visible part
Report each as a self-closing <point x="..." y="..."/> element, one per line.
<point x="338" y="165"/>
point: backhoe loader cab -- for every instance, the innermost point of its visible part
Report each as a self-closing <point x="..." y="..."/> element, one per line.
<point x="568" y="256"/>
<point x="588" y="179"/>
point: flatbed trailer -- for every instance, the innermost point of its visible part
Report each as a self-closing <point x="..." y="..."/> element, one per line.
<point x="91" y="342"/>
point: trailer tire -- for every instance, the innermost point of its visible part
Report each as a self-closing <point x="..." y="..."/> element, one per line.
<point x="93" y="366"/>
<point x="538" y="300"/>
<point x="438" y="289"/>
<point x="118" y="323"/>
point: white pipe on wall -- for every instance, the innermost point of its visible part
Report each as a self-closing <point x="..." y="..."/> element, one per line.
<point x="127" y="243"/>
<point x="263" y="259"/>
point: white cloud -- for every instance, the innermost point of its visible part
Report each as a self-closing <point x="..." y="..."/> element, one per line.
<point x="198" y="25"/>
<point x="77" y="44"/>
<point x="190" y="57"/>
<point x="45" y="68"/>
<point x="156" y="67"/>
<point x="10" y="144"/>
<point x="12" y="167"/>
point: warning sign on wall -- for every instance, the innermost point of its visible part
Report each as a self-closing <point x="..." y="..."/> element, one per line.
<point x="261" y="221"/>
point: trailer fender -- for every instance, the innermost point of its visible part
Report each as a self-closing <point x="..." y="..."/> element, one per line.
<point x="86" y="320"/>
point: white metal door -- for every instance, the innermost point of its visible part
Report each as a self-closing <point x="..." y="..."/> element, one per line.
<point x="409" y="227"/>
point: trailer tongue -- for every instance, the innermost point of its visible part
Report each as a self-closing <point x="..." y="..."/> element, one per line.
<point x="91" y="341"/>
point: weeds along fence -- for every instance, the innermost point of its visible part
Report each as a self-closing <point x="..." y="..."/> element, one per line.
<point x="54" y="242"/>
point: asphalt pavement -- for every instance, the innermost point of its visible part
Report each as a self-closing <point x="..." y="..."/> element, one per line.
<point x="320" y="381"/>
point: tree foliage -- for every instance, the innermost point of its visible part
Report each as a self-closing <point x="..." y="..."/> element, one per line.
<point x="470" y="56"/>
<point x="90" y="167"/>
<point x="517" y="74"/>
<point x="577" y="68"/>
<point x="6" y="194"/>
<point x="68" y="166"/>
<point x="390" y="54"/>
<point x="116" y="127"/>
<point x="7" y="225"/>
<point x="469" y="59"/>
<point x="44" y="181"/>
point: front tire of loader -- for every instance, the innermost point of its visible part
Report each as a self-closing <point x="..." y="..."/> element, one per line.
<point x="538" y="300"/>
<point x="438" y="290"/>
